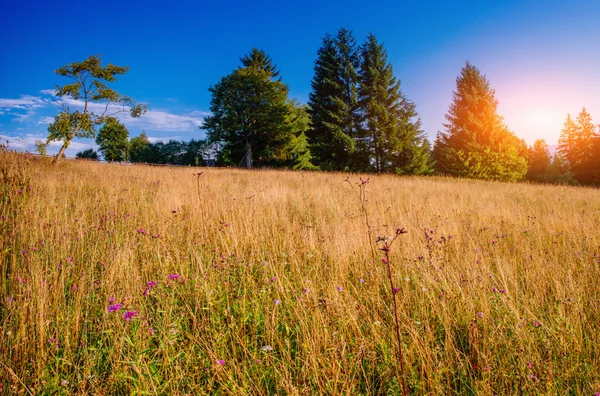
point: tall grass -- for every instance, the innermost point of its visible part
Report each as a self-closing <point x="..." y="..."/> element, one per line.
<point x="266" y="283"/>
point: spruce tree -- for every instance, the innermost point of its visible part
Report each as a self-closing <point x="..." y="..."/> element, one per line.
<point x="476" y="143"/>
<point x="579" y="144"/>
<point x="259" y="60"/>
<point x="333" y="102"/>
<point x="249" y="115"/>
<point x="390" y="139"/>
<point x="539" y="161"/>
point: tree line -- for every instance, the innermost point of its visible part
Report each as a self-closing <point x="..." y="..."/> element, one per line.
<point x="357" y="119"/>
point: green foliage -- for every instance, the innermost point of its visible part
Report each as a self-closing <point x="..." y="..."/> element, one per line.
<point x="476" y="142"/>
<point x="113" y="140"/>
<point x="249" y="113"/>
<point x="390" y="139"/>
<point x="579" y="144"/>
<point x="539" y="160"/>
<point x="259" y="60"/>
<point x="333" y="102"/>
<point x="87" y="154"/>
<point x="41" y="147"/>
<point x="558" y="172"/>
<point x="139" y="148"/>
<point x="89" y="86"/>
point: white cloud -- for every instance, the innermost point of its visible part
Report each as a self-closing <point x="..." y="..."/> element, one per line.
<point x="23" y="108"/>
<point x="50" y="92"/>
<point x="46" y="121"/>
<point x="28" y="144"/>
<point x="155" y="120"/>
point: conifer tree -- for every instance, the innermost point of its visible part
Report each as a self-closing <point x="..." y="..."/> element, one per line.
<point x="579" y="144"/>
<point x="249" y="114"/>
<point x="259" y="60"/>
<point x="539" y="160"/>
<point x="390" y="137"/>
<point x="333" y="102"/>
<point x="476" y="142"/>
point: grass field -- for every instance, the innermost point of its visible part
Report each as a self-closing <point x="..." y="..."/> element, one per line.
<point x="135" y="279"/>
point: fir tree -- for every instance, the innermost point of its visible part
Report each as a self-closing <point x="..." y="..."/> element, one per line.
<point x="249" y="114"/>
<point x="390" y="138"/>
<point x="476" y="142"/>
<point x="539" y="161"/>
<point x="579" y="144"/>
<point x="259" y="60"/>
<point x="333" y="102"/>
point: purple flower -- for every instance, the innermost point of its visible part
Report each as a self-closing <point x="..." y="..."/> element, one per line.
<point x="277" y="302"/>
<point x="221" y="362"/>
<point x="151" y="331"/>
<point x="502" y="291"/>
<point x="149" y="287"/>
<point x="111" y="300"/>
<point x="273" y="279"/>
<point x="114" y="307"/>
<point x="129" y="315"/>
<point x="173" y="276"/>
<point x="480" y="314"/>
<point x="396" y="290"/>
<point x="361" y="280"/>
<point x="339" y="288"/>
<point x="384" y="260"/>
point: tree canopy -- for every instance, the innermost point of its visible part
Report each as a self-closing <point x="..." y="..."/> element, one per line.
<point x="89" y="86"/>
<point x="113" y="140"/>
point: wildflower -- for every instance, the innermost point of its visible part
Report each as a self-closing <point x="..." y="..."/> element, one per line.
<point x="384" y="260"/>
<point x="502" y="291"/>
<point x="361" y="280"/>
<point x="129" y="315"/>
<point x="173" y="276"/>
<point x="221" y="362"/>
<point x="114" y="307"/>
<point x="151" y="331"/>
<point x="536" y="323"/>
<point x="396" y="290"/>
<point x="480" y="314"/>
<point x="111" y="300"/>
<point x="149" y="286"/>
<point x="306" y="291"/>
<point x="273" y="279"/>
<point x="339" y="288"/>
<point x="277" y="302"/>
<point x="266" y="348"/>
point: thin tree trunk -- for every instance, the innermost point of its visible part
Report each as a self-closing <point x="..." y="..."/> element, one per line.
<point x="60" y="154"/>
<point x="248" y="155"/>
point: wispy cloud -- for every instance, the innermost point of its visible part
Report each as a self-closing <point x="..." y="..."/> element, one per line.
<point x="23" y="108"/>
<point x="27" y="143"/>
<point x="154" y="120"/>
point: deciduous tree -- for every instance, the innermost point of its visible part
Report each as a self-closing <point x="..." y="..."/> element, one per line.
<point x="113" y="140"/>
<point x="91" y="101"/>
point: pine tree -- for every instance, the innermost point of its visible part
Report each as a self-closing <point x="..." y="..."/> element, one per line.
<point x="539" y="161"/>
<point x="333" y="102"/>
<point x="259" y="60"/>
<point x="579" y="144"/>
<point x="476" y="142"/>
<point x="249" y="114"/>
<point x="390" y="139"/>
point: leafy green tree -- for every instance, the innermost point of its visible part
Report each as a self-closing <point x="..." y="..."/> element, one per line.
<point x="476" y="142"/>
<point x="391" y="139"/>
<point x="89" y="87"/>
<point x="139" y="148"/>
<point x="539" y="160"/>
<point x="249" y="111"/>
<point x="87" y="154"/>
<point x="579" y="144"/>
<point x="333" y="102"/>
<point x="113" y="140"/>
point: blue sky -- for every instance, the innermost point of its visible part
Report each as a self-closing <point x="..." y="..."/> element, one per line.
<point x="541" y="57"/>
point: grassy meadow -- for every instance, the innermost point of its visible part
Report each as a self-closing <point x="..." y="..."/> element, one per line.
<point x="152" y="280"/>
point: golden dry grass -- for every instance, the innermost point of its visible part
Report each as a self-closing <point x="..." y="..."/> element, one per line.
<point x="277" y="282"/>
